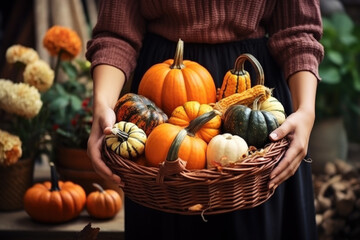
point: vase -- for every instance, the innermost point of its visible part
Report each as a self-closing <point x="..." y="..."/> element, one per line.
<point x="73" y="164"/>
<point x="328" y="142"/>
<point x="14" y="181"/>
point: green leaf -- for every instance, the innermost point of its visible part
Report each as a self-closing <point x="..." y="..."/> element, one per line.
<point x="330" y="75"/>
<point x="70" y="70"/>
<point x="335" y="57"/>
<point x="75" y="103"/>
<point x="59" y="103"/>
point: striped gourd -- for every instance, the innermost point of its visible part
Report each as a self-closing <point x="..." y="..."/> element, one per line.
<point x="126" y="140"/>
<point x="275" y="107"/>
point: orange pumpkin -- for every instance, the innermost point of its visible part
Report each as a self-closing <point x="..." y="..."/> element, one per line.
<point x="168" y="142"/>
<point x="183" y="115"/>
<point x="238" y="80"/>
<point x="103" y="204"/>
<point x="175" y="81"/>
<point x="55" y="201"/>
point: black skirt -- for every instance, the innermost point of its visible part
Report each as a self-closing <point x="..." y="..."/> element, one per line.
<point x="288" y="214"/>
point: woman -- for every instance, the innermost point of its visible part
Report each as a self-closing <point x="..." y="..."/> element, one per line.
<point x="283" y="35"/>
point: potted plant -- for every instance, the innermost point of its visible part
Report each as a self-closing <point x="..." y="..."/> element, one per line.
<point x="337" y="102"/>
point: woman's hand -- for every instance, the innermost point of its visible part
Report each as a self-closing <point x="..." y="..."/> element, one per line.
<point x="297" y="126"/>
<point x="108" y="82"/>
<point x="103" y="121"/>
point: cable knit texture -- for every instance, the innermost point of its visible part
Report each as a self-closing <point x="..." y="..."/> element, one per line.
<point x="293" y="26"/>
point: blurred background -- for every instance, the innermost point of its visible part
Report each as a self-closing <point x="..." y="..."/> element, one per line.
<point x="335" y="142"/>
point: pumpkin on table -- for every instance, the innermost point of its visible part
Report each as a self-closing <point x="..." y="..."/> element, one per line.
<point x="140" y="110"/>
<point x="253" y="125"/>
<point x="126" y="140"/>
<point x="238" y="79"/>
<point x="55" y="201"/>
<point x="175" y="81"/>
<point x="183" y="115"/>
<point x="103" y="204"/>
<point x="168" y="142"/>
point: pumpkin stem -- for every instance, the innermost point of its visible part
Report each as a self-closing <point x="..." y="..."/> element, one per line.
<point x="197" y="123"/>
<point x="98" y="187"/>
<point x="256" y="104"/>
<point x="190" y="130"/>
<point x="123" y="136"/>
<point x="239" y="68"/>
<point x="175" y="145"/>
<point x="54" y="178"/>
<point x="178" y="58"/>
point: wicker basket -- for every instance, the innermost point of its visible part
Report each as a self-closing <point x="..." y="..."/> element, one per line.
<point x="14" y="181"/>
<point x="174" y="189"/>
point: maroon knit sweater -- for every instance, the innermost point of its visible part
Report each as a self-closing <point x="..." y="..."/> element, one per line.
<point x="293" y="26"/>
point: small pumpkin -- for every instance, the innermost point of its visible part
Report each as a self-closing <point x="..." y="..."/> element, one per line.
<point x="55" y="201"/>
<point x="126" y="140"/>
<point x="103" y="204"/>
<point x="183" y="115"/>
<point x="275" y="107"/>
<point x="168" y="142"/>
<point x="238" y="79"/>
<point x="140" y="110"/>
<point x="175" y="81"/>
<point x="226" y="149"/>
<point x="253" y="125"/>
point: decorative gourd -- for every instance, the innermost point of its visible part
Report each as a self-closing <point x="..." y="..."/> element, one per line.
<point x="238" y="79"/>
<point x="103" y="204"/>
<point x="55" y="201"/>
<point x="168" y="142"/>
<point x="245" y="98"/>
<point x="140" y="110"/>
<point x="226" y="149"/>
<point x="172" y="83"/>
<point x="183" y="115"/>
<point x="253" y="125"/>
<point x="275" y="107"/>
<point x="126" y="140"/>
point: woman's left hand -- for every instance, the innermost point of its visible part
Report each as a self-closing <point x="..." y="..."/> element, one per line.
<point x="297" y="126"/>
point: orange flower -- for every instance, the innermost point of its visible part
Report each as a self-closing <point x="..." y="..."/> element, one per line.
<point x="63" y="39"/>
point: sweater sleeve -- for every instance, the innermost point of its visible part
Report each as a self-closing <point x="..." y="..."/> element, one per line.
<point x="295" y="29"/>
<point x="117" y="35"/>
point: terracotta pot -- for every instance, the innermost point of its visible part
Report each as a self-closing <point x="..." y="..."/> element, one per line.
<point x="74" y="165"/>
<point x="14" y="181"/>
<point x="328" y="142"/>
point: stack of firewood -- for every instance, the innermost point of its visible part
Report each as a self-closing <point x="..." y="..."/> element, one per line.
<point x="337" y="201"/>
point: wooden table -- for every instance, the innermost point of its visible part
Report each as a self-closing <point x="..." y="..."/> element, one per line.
<point x="17" y="225"/>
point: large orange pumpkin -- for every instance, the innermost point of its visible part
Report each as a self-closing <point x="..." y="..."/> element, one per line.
<point x="55" y="201"/>
<point x="168" y="142"/>
<point x="175" y="81"/>
<point x="183" y="115"/>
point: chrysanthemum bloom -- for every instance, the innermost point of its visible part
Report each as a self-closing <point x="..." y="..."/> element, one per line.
<point x="62" y="39"/>
<point x="19" y="98"/>
<point x="19" y="53"/>
<point x="10" y="148"/>
<point x="39" y="74"/>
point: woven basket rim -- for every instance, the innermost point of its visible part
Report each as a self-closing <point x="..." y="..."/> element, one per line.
<point x="257" y="166"/>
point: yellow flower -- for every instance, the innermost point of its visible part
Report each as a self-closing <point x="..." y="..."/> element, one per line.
<point x="61" y="39"/>
<point x="39" y="74"/>
<point x="10" y="148"/>
<point x="19" y="98"/>
<point x="19" y="53"/>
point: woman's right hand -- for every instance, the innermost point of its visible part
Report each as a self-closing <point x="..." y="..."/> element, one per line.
<point x="102" y="123"/>
<point x="108" y="82"/>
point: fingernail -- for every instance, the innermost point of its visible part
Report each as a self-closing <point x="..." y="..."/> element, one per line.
<point x="271" y="185"/>
<point x="272" y="176"/>
<point x="273" y="136"/>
